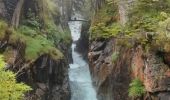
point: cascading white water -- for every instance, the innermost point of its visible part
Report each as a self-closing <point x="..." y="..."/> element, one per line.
<point x="80" y="79"/>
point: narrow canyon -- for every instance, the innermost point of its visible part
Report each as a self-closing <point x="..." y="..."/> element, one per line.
<point x="84" y="49"/>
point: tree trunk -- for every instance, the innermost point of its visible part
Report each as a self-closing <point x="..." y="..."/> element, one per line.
<point x="17" y="13"/>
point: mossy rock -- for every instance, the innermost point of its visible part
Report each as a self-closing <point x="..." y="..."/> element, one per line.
<point x="36" y="46"/>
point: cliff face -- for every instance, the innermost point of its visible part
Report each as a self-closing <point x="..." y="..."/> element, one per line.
<point x="117" y="58"/>
<point x="112" y="78"/>
<point x="42" y="66"/>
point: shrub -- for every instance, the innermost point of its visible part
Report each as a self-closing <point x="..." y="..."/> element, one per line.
<point x="102" y="31"/>
<point x="163" y="36"/>
<point x="136" y="88"/>
<point x="55" y="34"/>
<point x="9" y="88"/>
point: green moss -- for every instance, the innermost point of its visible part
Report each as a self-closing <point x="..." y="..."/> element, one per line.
<point x="39" y="45"/>
<point x="36" y="45"/>
<point x="136" y="88"/>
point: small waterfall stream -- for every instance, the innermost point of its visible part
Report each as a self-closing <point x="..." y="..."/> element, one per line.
<point x="80" y="79"/>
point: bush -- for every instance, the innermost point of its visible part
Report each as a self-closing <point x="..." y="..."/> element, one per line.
<point x="102" y="31"/>
<point x="9" y="88"/>
<point x="55" y="34"/>
<point x="136" y="88"/>
<point x="162" y="37"/>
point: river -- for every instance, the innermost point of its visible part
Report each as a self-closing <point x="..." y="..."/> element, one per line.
<point x="79" y="74"/>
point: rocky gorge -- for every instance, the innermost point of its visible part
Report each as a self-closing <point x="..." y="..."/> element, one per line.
<point x="88" y="49"/>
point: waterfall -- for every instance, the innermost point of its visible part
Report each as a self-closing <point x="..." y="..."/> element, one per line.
<point x="79" y="74"/>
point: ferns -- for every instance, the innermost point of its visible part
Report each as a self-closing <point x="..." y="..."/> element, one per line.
<point x="136" y="88"/>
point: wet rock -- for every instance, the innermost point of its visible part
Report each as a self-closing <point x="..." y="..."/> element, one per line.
<point x="96" y="46"/>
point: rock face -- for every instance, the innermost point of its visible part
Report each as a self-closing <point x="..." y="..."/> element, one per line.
<point x="50" y="79"/>
<point x="47" y="76"/>
<point x="112" y="78"/>
<point x="114" y="63"/>
<point x="83" y="42"/>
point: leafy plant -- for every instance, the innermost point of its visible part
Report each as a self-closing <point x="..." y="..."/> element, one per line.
<point x="9" y="88"/>
<point x="32" y="20"/>
<point x="27" y="30"/>
<point x="136" y="88"/>
<point x="55" y="34"/>
<point x="102" y="31"/>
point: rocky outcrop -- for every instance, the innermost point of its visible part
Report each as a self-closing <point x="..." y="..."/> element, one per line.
<point x="112" y="78"/>
<point x="49" y="79"/>
<point x="47" y="75"/>
<point x="83" y="43"/>
<point x="119" y="59"/>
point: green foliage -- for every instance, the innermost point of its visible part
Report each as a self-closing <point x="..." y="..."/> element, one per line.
<point x="39" y="45"/>
<point x="136" y="88"/>
<point x="32" y="20"/>
<point x="9" y="88"/>
<point x="102" y="31"/>
<point x="35" y="45"/>
<point x="27" y="30"/>
<point x="162" y="37"/>
<point x="115" y="56"/>
<point x="56" y="34"/>
<point x="147" y="13"/>
<point x="106" y="14"/>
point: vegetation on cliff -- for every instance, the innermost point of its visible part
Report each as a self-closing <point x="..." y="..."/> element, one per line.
<point x="136" y="88"/>
<point x="147" y="27"/>
<point x="38" y="32"/>
<point x="36" y="44"/>
<point x="9" y="88"/>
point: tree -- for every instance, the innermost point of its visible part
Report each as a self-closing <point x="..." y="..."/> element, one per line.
<point x="9" y="88"/>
